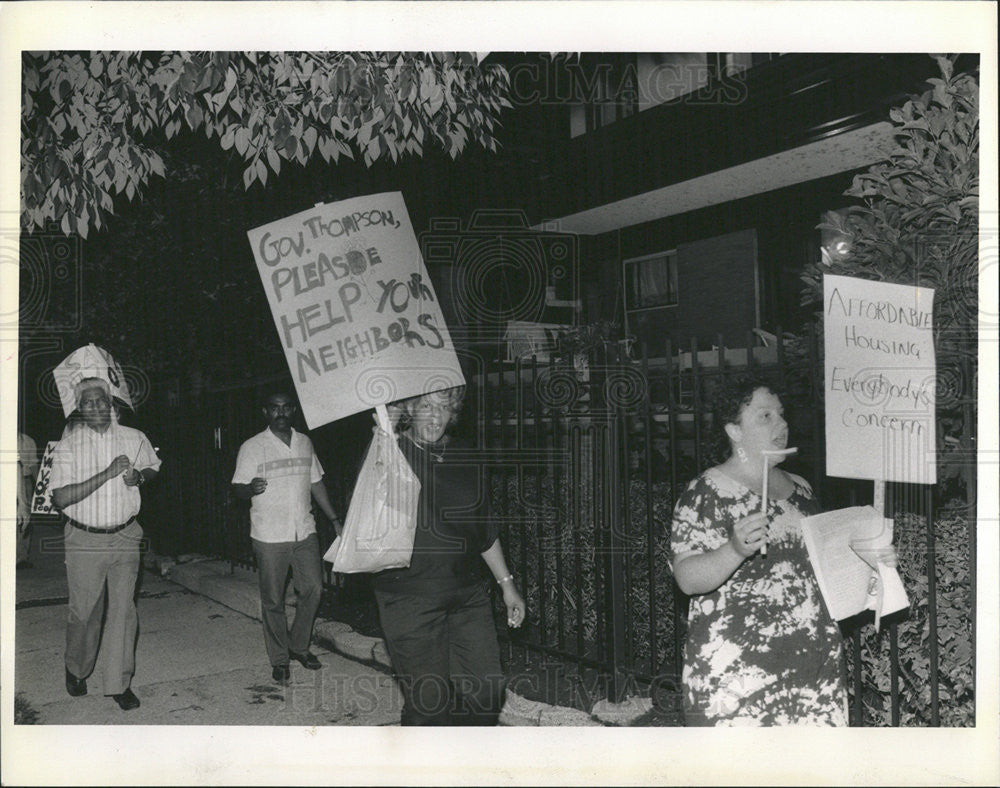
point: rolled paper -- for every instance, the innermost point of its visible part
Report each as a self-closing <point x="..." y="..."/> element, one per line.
<point x="763" y="505"/>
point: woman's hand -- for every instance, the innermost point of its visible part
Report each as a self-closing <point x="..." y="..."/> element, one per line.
<point x="749" y="535"/>
<point x="514" y="602"/>
<point x="886" y="555"/>
<point x="132" y="478"/>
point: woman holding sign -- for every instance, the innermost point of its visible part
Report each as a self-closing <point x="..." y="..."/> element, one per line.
<point x="436" y="614"/>
<point x="761" y="648"/>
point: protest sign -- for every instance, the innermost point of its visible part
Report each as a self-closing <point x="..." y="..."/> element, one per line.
<point x="41" y="495"/>
<point x="355" y="310"/>
<point x="880" y="380"/>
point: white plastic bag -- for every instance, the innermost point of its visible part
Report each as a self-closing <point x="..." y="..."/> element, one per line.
<point x="382" y="518"/>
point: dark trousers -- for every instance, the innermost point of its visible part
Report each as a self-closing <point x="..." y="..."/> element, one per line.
<point x="445" y="655"/>
<point x="273" y="560"/>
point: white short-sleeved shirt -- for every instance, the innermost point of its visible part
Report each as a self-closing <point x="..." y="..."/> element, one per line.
<point x="282" y="513"/>
<point x="27" y="466"/>
<point x="85" y="452"/>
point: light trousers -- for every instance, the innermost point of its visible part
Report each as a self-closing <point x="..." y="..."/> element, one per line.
<point x="101" y="571"/>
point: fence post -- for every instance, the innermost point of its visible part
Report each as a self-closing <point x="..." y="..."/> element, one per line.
<point x="617" y="612"/>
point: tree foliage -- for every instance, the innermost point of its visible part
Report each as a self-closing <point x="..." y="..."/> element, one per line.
<point x="93" y="123"/>
<point x="918" y="223"/>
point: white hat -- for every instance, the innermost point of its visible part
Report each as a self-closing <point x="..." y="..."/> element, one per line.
<point x="89" y="361"/>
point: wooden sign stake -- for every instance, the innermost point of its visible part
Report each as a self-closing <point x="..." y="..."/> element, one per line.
<point x="878" y="496"/>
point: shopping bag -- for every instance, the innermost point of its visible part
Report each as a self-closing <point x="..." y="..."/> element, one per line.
<point x="382" y="518"/>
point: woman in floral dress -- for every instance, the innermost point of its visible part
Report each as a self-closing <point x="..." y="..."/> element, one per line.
<point x="761" y="647"/>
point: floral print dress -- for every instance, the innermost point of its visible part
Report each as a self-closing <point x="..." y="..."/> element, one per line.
<point x="761" y="649"/>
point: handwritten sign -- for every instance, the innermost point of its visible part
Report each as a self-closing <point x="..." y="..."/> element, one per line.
<point x="41" y="495"/>
<point x="880" y="380"/>
<point x="355" y="310"/>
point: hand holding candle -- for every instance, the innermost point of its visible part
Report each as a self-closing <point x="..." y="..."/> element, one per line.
<point x="133" y="477"/>
<point x="767" y="453"/>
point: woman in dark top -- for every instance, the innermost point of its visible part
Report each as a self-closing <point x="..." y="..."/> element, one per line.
<point x="436" y="614"/>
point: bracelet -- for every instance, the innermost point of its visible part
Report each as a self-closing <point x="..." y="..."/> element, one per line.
<point x="142" y="479"/>
<point x="503" y="580"/>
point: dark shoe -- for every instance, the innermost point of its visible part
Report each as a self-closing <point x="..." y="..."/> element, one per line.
<point x="127" y="700"/>
<point x="74" y="686"/>
<point x="307" y="660"/>
<point x="281" y="673"/>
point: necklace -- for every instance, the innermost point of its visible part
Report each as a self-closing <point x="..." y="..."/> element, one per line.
<point x="437" y="456"/>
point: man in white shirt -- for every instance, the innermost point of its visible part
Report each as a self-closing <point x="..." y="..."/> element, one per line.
<point x="277" y="470"/>
<point x="97" y="470"/>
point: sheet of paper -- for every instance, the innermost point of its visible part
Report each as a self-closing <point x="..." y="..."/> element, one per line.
<point x="842" y="575"/>
<point x="894" y="596"/>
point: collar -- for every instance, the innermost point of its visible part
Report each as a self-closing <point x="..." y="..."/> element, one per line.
<point x="275" y="437"/>
<point x="91" y="432"/>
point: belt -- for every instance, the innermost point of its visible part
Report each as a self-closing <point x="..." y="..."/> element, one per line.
<point x="91" y="530"/>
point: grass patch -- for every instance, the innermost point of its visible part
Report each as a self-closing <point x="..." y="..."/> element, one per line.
<point x="23" y="713"/>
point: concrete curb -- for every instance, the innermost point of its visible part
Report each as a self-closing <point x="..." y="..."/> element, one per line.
<point x="237" y="589"/>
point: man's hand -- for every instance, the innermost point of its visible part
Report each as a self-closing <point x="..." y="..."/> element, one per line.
<point x="258" y="485"/>
<point x="133" y="478"/>
<point x="118" y="466"/>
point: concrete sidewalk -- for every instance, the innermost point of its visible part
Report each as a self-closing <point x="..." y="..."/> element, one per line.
<point x="237" y="589"/>
<point x="198" y="662"/>
<point x="200" y="658"/>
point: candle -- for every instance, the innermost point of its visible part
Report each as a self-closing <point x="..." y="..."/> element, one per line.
<point x="767" y="467"/>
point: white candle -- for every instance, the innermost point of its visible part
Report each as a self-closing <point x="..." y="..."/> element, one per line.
<point x="763" y="493"/>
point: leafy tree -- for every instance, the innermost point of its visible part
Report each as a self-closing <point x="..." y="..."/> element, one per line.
<point x="94" y="124"/>
<point x="918" y="223"/>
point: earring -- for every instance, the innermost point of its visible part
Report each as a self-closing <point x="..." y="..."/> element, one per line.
<point x="741" y="454"/>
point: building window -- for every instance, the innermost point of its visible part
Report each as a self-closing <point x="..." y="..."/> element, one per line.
<point x="666" y="76"/>
<point x="651" y="281"/>
<point x="604" y="90"/>
<point x="735" y="62"/>
<point x="608" y="88"/>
